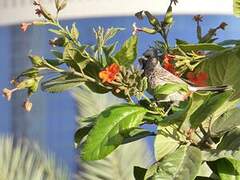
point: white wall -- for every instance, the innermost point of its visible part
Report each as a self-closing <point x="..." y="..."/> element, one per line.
<point x="15" y="11"/>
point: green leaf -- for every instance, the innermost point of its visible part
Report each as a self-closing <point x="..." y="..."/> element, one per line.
<point x="75" y="58"/>
<point x="204" y="178"/>
<point x="151" y="171"/>
<point x="165" y="142"/>
<point x="81" y="133"/>
<point x="229" y="147"/>
<point x="201" y="47"/>
<point x="97" y="88"/>
<point x="229" y="42"/>
<point x="54" y="62"/>
<point x="196" y="100"/>
<point x="128" y="52"/>
<point x="204" y="172"/>
<point x="169" y="88"/>
<point x="92" y="70"/>
<point x="69" y="52"/>
<point x="223" y="69"/>
<point x="225" y="123"/>
<point x="208" y="108"/>
<point x="152" y="118"/>
<point x="231" y="140"/>
<point x="136" y="134"/>
<point x="32" y="72"/>
<point x="139" y="173"/>
<point x="228" y="169"/>
<point x="112" y="125"/>
<point x="113" y="166"/>
<point x="61" y="83"/>
<point x="57" y="54"/>
<point x="184" y="163"/>
<point x="236" y="8"/>
<point x="178" y="115"/>
<point x="111" y="32"/>
<point x="56" y="31"/>
<point x="108" y="50"/>
<point x="181" y="42"/>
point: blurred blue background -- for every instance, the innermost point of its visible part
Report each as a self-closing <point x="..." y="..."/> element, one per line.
<point x="52" y="121"/>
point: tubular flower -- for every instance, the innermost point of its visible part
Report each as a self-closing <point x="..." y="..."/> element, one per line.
<point x="110" y="73"/>
<point x="27" y="105"/>
<point x="168" y="64"/>
<point x="7" y="93"/>
<point x="198" y="18"/>
<point x="24" y="26"/>
<point x="199" y="79"/>
<point x="223" y="25"/>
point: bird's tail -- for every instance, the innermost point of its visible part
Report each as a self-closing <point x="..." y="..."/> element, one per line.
<point x="211" y="88"/>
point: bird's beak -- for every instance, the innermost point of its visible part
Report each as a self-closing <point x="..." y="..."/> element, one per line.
<point x="142" y="61"/>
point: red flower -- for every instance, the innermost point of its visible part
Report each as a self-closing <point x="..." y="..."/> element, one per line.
<point x="24" y="26"/>
<point x="109" y="74"/>
<point x="168" y="64"/>
<point x="199" y="79"/>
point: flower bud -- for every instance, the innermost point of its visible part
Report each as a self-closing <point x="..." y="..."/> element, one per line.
<point x="24" y="26"/>
<point x="27" y="105"/>
<point x="60" y="5"/>
<point x="36" y="60"/>
<point x="148" y="30"/>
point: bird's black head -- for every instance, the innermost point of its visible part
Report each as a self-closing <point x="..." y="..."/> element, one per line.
<point x="150" y="57"/>
<point x="151" y="53"/>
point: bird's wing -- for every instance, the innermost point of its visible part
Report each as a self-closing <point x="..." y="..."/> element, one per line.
<point x="171" y="77"/>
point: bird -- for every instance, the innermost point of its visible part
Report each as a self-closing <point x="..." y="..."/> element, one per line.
<point x="157" y="75"/>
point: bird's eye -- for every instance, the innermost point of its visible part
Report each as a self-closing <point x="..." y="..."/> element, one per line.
<point x="142" y="61"/>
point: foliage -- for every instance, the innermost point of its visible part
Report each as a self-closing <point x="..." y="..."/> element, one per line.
<point x="26" y="161"/>
<point x="196" y="125"/>
<point x="113" y="166"/>
<point x="236" y="7"/>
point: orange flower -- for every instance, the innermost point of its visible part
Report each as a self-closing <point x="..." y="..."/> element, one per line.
<point x="109" y="74"/>
<point x="24" y="26"/>
<point x="168" y="64"/>
<point x="199" y="79"/>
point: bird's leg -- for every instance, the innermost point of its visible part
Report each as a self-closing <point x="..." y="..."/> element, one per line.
<point x="169" y="109"/>
<point x="176" y="103"/>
